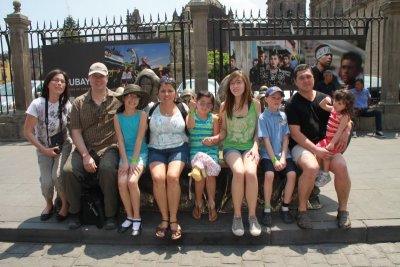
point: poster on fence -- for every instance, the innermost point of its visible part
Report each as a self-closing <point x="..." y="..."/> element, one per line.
<point x="124" y="60"/>
<point x="335" y="63"/>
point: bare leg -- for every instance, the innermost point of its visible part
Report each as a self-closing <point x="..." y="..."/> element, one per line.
<point x="342" y="180"/>
<point x="235" y="162"/>
<point x="289" y="188"/>
<point x="309" y="165"/>
<point x="158" y="173"/>
<point x="64" y="204"/>
<point x="134" y="192"/>
<point x="268" y="184"/>
<point x="251" y="183"/>
<point x="173" y="189"/>
<point x="124" y="193"/>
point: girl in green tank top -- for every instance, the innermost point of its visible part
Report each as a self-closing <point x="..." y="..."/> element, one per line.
<point x="239" y="114"/>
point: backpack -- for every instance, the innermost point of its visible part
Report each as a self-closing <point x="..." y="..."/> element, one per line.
<point x="181" y="109"/>
<point x="92" y="207"/>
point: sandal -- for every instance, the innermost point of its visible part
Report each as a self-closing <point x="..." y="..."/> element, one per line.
<point x="176" y="233"/>
<point x="161" y="231"/>
<point x="196" y="213"/>
<point x="212" y="213"/>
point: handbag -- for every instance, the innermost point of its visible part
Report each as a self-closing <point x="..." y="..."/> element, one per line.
<point x="56" y="140"/>
<point x="92" y="207"/>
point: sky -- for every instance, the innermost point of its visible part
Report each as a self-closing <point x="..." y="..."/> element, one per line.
<point x="52" y="10"/>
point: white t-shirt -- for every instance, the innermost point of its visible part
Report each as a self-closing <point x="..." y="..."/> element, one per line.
<point x="37" y="110"/>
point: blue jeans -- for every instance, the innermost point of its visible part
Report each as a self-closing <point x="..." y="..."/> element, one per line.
<point x="366" y="112"/>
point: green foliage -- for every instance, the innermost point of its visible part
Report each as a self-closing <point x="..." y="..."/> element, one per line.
<point x="214" y="70"/>
<point x="70" y="33"/>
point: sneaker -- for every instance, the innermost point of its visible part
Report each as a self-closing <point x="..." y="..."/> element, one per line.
<point x="266" y="219"/>
<point x="255" y="228"/>
<point x="379" y="133"/>
<point x="303" y="221"/>
<point x="323" y="179"/>
<point x="74" y="221"/>
<point x="343" y="219"/>
<point x="237" y="226"/>
<point x="286" y="216"/>
<point x="354" y="134"/>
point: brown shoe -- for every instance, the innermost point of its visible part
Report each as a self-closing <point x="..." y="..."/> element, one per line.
<point x="196" y="213"/>
<point x="303" y="221"/>
<point x="212" y="213"/>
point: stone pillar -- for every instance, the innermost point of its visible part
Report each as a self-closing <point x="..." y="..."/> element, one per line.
<point x="20" y="58"/>
<point x="199" y="13"/>
<point x="391" y="67"/>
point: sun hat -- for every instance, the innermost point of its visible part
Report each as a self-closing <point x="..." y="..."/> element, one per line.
<point x="274" y="89"/>
<point x="98" y="67"/>
<point x="137" y="90"/>
<point x="188" y="92"/>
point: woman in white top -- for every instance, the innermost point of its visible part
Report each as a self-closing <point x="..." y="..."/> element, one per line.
<point x="168" y="154"/>
<point x="46" y="128"/>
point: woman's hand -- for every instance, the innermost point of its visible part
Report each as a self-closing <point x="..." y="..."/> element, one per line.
<point x="51" y="151"/>
<point x="253" y="155"/>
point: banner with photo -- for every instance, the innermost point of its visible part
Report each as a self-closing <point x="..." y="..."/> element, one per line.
<point x="272" y="62"/>
<point x="124" y="60"/>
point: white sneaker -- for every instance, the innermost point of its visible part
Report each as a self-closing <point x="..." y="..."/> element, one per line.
<point x="322" y="179"/>
<point x="255" y="228"/>
<point x="237" y="226"/>
<point x="354" y="135"/>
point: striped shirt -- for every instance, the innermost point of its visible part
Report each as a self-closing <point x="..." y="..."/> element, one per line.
<point x="333" y="123"/>
<point x="201" y="130"/>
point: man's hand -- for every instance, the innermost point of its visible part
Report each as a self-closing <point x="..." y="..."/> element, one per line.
<point x="323" y="153"/>
<point x="89" y="164"/>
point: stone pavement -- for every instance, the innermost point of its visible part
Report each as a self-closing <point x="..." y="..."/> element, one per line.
<point x="373" y="205"/>
<point x="36" y="254"/>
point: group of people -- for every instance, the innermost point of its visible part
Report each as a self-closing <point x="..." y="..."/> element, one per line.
<point x="115" y="140"/>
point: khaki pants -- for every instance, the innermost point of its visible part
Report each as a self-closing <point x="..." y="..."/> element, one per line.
<point x="74" y="174"/>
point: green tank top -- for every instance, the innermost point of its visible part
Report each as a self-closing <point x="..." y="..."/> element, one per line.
<point x="240" y="130"/>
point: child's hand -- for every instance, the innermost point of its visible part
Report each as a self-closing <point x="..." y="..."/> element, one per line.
<point x="192" y="104"/>
<point x="123" y="168"/>
<point x="134" y="168"/>
<point x="329" y="146"/>
<point x="283" y="162"/>
<point x="210" y="141"/>
<point x="278" y="166"/>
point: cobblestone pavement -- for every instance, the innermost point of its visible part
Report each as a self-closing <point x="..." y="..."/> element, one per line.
<point x="36" y="254"/>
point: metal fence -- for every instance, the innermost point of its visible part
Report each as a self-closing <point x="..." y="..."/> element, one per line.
<point x="88" y="31"/>
<point x="227" y="34"/>
<point x="240" y="35"/>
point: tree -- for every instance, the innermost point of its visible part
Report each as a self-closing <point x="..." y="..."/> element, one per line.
<point x="70" y="33"/>
<point x="214" y="70"/>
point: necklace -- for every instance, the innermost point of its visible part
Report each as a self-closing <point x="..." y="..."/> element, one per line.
<point x="166" y="113"/>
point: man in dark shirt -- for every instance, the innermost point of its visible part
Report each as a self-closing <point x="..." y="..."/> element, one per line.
<point x="258" y="73"/>
<point x="323" y="55"/>
<point x="307" y="123"/>
<point x="327" y="86"/>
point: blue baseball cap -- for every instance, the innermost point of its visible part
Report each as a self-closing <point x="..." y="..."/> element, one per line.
<point x="272" y="90"/>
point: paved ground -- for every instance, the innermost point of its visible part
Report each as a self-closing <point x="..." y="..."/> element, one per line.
<point x="373" y="205"/>
<point x="34" y="254"/>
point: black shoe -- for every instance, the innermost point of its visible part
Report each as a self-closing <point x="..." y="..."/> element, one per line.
<point x="137" y="232"/>
<point x="123" y="229"/>
<point x="74" y="221"/>
<point x="46" y="216"/>
<point x="379" y="133"/>
<point x="61" y="218"/>
<point x="266" y="219"/>
<point x="286" y="216"/>
<point x="111" y="223"/>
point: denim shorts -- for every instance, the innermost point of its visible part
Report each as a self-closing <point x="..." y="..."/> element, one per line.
<point x="266" y="165"/>
<point x="229" y="150"/>
<point x="142" y="160"/>
<point x="167" y="155"/>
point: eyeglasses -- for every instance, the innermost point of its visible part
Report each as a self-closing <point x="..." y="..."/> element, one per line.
<point x="205" y="105"/>
<point x="167" y="80"/>
<point x="58" y="81"/>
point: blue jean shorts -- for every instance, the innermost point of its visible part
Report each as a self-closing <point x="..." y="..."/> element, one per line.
<point x="230" y="150"/>
<point x="167" y="155"/>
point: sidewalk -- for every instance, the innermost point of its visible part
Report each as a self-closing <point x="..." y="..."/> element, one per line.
<point x="374" y="166"/>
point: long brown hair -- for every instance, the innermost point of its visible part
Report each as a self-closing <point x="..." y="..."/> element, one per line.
<point x="247" y="96"/>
